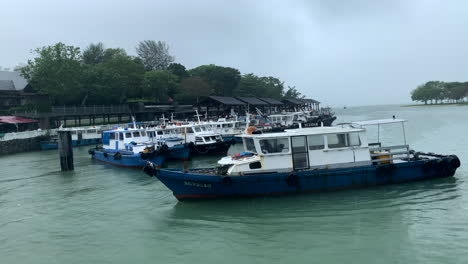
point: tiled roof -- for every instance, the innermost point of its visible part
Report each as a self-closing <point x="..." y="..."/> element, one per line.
<point x="271" y="101"/>
<point x="293" y="101"/>
<point x="226" y="100"/>
<point x="310" y="101"/>
<point x="7" y="85"/>
<point x="18" y="80"/>
<point x="252" y="101"/>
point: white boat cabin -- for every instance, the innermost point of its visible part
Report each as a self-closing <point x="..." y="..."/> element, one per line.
<point x="309" y="148"/>
<point x="165" y="135"/>
<point x="227" y="128"/>
<point x="129" y="139"/>
<point x="288" y="119"/>
<point x="199" y="134"/>
<point x="81" y="133"/>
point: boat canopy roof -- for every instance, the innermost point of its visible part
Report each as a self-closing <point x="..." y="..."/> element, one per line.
<point x="306" y="132"/>
<point x="378" y="122"/>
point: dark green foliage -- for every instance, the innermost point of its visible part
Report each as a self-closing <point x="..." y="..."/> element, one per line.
<point x="160" y="85"/>
<point x="436" y="91"/>
<point x="56" y="72"/>
<point x="110" y="76"/>
<point x="179" y="70"/>
<point x="252" y="85"/>
<point x="223" y="80"/>
<point x="293" y="93"/>
<point x="94" y="54"/>
<point x="191" y="89"/>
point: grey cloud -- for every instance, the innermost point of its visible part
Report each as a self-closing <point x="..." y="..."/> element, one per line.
<point x="339" y="52"/>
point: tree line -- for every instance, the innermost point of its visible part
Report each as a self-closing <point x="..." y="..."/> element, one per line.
<point x="100" y="75"/>
<point x="440" y="92"/>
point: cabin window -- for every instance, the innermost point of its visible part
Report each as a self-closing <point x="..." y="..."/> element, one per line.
<point x="249" y="144"/>
<point x="112" y="136"/>
<point x="315" y="142"/>
<point x="255" y="165"/>
<point x="197" y="129"/>
<point x="121" y="136"/>
<point x="136" y="134"/>
<point x="336" y="140"/>
<point x="189" y="130"/>
<point x="274" y="145"/>
<point x="160" y="132"/>
<point x="128" y="135"/>
<point x="143" y="133"/>
<point x="354" y="140"/>
<point x="343" y="140"/>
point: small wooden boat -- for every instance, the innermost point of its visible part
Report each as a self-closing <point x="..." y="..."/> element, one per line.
<point x="307" y="160"/>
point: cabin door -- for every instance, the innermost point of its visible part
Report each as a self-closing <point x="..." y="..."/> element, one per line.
<point x="300" y="154"/>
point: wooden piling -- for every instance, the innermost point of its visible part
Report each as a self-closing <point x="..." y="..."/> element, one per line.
<point x="65" y="150"/>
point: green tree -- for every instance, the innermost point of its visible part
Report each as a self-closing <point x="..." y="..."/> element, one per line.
<point x="191" y="89"/>
<point x="252" y="85"/>
<point x="223" y="80"/>
<point x="115" y="80"/>
<point x="420" y="94"/>
<point x="56" y="71"/>
<point x="94" y="54"/>
<point x="179" y="70"/>
<point x="155" y="55"/>
<point x="160" y="85"/>
<point x="293" y="93"/>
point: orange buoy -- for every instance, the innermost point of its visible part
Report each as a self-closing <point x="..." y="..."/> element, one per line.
<point x="251" y="129"/>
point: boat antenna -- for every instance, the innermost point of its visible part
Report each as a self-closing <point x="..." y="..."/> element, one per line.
<point x="134" y="122"/>
<point x="198" y="116"/>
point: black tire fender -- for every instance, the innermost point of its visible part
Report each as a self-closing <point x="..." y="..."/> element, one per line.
<point x="227" y="180"/>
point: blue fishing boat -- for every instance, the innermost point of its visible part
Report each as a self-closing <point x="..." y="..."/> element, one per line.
<point x="307" y="160"/>
<point x="132" y="148"/>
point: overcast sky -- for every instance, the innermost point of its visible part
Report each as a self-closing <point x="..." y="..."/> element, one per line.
<point x="349" y="52"/>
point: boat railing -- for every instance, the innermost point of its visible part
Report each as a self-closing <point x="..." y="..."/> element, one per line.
<point x="387" y="154"/>
<point x="23" y="135"/>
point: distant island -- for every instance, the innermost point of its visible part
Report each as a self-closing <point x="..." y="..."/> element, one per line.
<point x="437" y="92"/>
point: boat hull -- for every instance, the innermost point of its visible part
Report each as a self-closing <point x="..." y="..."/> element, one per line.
<point x="179" y="152"/>
<point x="194" y="184"/>
<point x="220" y="147"/>
<point x="137" y="161"/>
<point x="232" y="138"/>
<point x="125" y="160"/>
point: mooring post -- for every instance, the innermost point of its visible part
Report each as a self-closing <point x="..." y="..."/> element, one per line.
<point x="65" y="150"/>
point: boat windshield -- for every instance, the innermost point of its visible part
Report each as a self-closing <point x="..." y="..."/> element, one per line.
<point x="249" y="145"/>
<point x="274" y="145"/>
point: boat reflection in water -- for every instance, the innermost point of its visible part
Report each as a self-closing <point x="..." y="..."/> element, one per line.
<point x="307" y="160"/>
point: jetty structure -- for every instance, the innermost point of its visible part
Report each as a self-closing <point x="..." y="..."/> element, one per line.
<point x="307" y="160"/>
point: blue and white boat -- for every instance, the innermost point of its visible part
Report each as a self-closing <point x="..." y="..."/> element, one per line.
<point x="169" y="138"/>
<point x="307" y="160"/>
<point x="132" y="148"/>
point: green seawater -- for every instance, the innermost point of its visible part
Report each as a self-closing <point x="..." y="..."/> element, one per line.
<point x="102" y="214"/>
